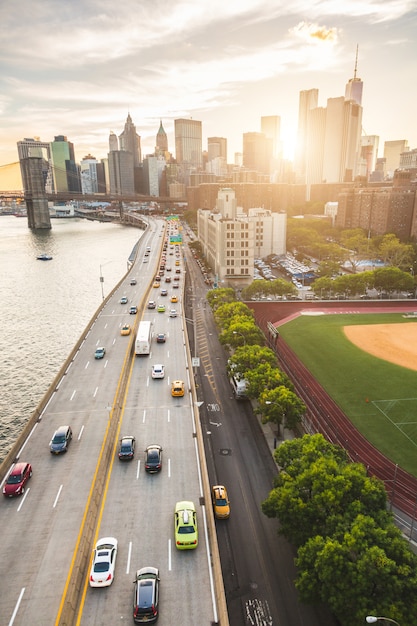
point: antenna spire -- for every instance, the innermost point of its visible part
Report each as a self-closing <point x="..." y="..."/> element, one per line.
<point x="356" y="61"/>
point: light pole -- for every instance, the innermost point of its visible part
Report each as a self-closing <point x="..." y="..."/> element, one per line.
<point x="235" y="332"/>
<point x="102" y="278"/>
<point x="371" y="619"/>
<point x="282" y="414"/>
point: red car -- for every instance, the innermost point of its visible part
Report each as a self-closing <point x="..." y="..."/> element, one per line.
<point x="17" y="479"/>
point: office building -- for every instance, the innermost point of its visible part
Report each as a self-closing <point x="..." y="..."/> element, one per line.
<point x="231" y="238"/>
<point x="65" y="170"/>
<point x="161" y="147"/>
<point x="121" y="173"/>
<point x="113" y="142"/>
<point x="354" y="87"/>
<point x="341" y="140"/>
<point x="129" y="141"/>
<point x="392" y="155"/>
<point x="257" y="152"/>
<point x="188" y="148"/>
<point x="308" y="101"/>
<point x="271" y="128"/>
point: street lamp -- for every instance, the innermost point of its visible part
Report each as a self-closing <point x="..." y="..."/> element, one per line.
<point x="102" y="278"/>
<point x="371" y="619"/>
<point x="235" y="332"/>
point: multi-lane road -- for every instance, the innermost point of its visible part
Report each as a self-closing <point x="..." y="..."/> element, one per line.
<point x="43" y="532"/>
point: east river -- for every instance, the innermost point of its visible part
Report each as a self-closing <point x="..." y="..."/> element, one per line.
<point x="46" y="305"/>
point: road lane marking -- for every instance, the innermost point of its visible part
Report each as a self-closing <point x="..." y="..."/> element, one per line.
<point x="23" y="499"/>
<point x="16" y="608"/>
<point x="57" y="496"/>
<point x="129" y="556"/>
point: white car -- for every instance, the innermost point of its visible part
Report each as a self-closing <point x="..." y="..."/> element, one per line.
<point x="173" y="313"/>
<point x="158" y="371"/>
<point x="104" y="561"/>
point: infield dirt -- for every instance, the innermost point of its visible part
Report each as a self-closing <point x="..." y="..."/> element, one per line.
<point x="396" y="343"/>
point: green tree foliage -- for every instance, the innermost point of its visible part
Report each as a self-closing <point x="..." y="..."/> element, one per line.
<point x="218" y="297"/>
<point x="393" y="279"/>
<point x="281" y="406"/>
<point x="264" y="376"/>
<point x="319" y="496"/>
<point x="248" y="357"/>
<point x="272" y="288"/>
<point x="395" y="253"/>
<point x="366" y="570"/>
<point x="225" y="314"/>
<point x="241" y="331"/>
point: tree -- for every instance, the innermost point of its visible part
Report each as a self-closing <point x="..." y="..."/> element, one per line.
<point x="262" y="377"/>
<point x="319" y="494"/>
<point x="241" y="330"/>
<point x="225" y="313"/>
<point x="248" y="357"/>
<point x="367" y="569"/>
<point x="393" y="279"/>
<point x="395" y="253"/>
<point x="218" y="297"/>
<point x="281" y="405"/>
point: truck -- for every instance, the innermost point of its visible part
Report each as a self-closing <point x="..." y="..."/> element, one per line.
<point x="143" y="339"/>
<point x="239" y="386"/>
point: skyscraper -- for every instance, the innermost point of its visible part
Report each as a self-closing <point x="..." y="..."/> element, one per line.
<point x="341" y="140"/>
<point x="161" y="141"/>
<point x="257" y="152"/>
<point x="113" y="142"/>
<point x="65" y="170"/>
<point x="354" y="87"/>
<point x="129" y="141"/>
<point x="188" y="143"/>
<point x="307" y="102"/>
<point x="271" y="128"/>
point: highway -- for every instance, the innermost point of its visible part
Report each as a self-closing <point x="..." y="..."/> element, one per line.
<point x="49" y="532"/>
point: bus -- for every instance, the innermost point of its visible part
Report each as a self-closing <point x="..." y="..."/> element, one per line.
<point x="143" y="339"/>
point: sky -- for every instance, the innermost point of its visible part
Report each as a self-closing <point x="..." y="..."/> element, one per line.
<point x="78" y="68"/>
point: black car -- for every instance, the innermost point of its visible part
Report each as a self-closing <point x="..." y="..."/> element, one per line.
<point x="160" y="338"/>
<point x="146" y="595"/>
<point x="153" y="458"/>
<point x="127" y="448"/>
<point x="61" y="440"/>
<point x="133" y="310"/>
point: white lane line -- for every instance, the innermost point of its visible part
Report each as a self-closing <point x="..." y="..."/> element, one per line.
<point x="57" y="496"/>
<point x="95" y="392"/>
<point x="23" y="499"/>
<point x="169" y="556"/>
<point x="129" y="556"/>
<point x="16" y="608"/>
<point x="73" y="394"/>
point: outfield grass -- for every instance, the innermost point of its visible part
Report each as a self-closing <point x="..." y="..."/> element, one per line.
<point x="378" y="397"/>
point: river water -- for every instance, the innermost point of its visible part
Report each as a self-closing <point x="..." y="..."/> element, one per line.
<point x="46" y="305"/>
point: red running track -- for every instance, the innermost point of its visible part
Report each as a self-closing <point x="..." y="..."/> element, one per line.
<point x="323" y="415"/>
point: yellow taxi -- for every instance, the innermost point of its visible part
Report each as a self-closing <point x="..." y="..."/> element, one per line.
<point x="220" y="500"/>
<point x="177" y="388"/>
<point x="177" y="262"/>
<point x="125" y="330"/>
<point x="174" y="299"/>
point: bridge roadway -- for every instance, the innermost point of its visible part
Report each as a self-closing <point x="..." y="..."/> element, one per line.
<point x="48" y="533"/>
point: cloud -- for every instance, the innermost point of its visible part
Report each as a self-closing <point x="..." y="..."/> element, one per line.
<point x="307" y="32"/>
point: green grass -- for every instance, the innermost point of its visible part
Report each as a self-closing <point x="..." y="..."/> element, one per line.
<point x="378" y="397"/>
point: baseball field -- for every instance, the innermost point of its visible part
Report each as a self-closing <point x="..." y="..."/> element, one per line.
<point x="368" y="364"/>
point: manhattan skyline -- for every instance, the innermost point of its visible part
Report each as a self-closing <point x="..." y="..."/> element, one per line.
<point x="79" y="69"/>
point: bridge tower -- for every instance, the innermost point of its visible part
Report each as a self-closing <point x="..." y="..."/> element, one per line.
<point x="35" y="194"/>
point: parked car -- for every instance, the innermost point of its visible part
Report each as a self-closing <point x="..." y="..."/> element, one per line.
<point x="60" y="440"/>
<point x="153" y="458"/>
<point x="100" y="352"/>
<point x="16" y="481"/>
<point x="185" y="526"/>
<point x="220" y="501"/>
<point x="146" y="595"/>
<point x="127" y="448"/>
<point x="104" y="562"/>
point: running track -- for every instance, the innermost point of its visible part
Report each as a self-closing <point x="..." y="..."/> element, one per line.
<point x="323" y="415"/>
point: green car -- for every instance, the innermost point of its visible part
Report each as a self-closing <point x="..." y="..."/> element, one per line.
<point x="161" y="308"/>
<point x="185" y="526"/>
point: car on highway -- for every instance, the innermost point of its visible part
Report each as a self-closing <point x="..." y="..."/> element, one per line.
<point x="158" y="371"/>
<point x="175" y="286"/>
<point x="127" y="448"/>
<point x="164" y="292"/>
<point x="160" y="338"/>
<point x="185" y="525"/>
<point x="177" y="388"/>
<point x="174" y="299"/>
<point x="133" y="310"/>
<point x="146" y="595"/>
<point x="133" y="281"/>
<point x="173" y="313"/>
<point x="220" y="501"/>
<point x="168" y="279"/>
<point x="161" y="308"/>
<point x="156" y="284"/>
<point x="16" y="481"/>
<point x="100" y="352"/>
<point x="125" y="330"/>
<point x="123" y="300"/>
<point x="104" y="562"/>
<point x="153" y="458"/>
<point x="151" y="304"/>
<point x="60" y="440"/>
